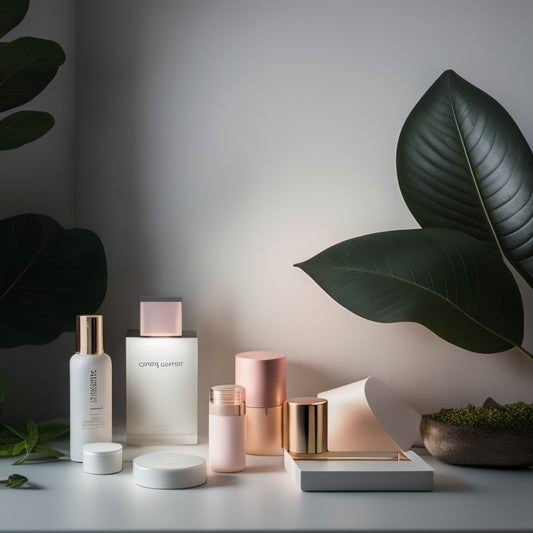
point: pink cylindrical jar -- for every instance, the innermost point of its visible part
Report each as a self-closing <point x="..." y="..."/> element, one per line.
<point x="227" y="428"/>
<point x="263" y="375"/>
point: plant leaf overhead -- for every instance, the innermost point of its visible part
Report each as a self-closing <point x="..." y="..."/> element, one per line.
<point x="11" y="14"/>
<point x="48" y="275"/>
<point x="27" y="66"/>
<point x="3" y="391"/>
<point x="23" y="127"/>
<point x="451" y="283"/>
<point x="463" y="164"/>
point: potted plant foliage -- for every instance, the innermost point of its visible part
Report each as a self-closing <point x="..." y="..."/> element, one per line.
<point x="48" y="274"/>
<point x="466" y="173"/>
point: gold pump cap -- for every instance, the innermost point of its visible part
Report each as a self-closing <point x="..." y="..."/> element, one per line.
<point x="305" y="425"/>
<point x="90" y="334"/>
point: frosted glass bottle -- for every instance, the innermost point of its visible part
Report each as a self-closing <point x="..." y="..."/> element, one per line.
<point x="161" y="376"/>
<point x="90" y="387"/>
<point x="227" y="428"/>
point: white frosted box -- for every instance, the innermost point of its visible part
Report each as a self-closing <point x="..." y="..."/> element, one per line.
<point x="161" y="389"/>
<point x="361" y="475"/>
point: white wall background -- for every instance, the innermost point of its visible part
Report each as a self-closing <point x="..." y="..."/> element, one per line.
<point x="221" y="141"/>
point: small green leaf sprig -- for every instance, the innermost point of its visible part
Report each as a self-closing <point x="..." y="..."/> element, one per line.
<point x="14" y="481"/>
<point x="31" y="438"/>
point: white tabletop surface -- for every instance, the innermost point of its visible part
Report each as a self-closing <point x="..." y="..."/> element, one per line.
<point x="61" y="497"/>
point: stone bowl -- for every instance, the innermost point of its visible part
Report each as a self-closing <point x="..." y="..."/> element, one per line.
<point x="461" y="445"/>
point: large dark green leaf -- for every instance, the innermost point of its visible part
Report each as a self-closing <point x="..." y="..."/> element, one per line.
<point x="27" y="65"/>
<point x="23" y="127"/>
<point x="451" y="283"/>
<point x="48" y="275"/>
<point x="463" y="164"/>
<point x="3" y="391"/>
<point x="11" y="14"/>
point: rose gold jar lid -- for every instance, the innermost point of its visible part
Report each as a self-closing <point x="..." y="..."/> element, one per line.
<point x="305" y="425"/>
<point x="264" y="376"/>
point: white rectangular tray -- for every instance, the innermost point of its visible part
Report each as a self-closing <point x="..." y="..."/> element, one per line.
<point x="365" y="475"/>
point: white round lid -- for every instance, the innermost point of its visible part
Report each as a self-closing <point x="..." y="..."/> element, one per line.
<point x="102" y="457"/>
<point x="169" y="470"/>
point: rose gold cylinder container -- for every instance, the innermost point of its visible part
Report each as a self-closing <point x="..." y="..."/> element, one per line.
<point x="227" y="428"/>
<point x="264" y="376"/>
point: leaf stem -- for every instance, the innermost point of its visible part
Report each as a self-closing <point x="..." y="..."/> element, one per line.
<point x="24" y="270"/>
<point x="475" y="180"/>
<point x="524" y="351"/>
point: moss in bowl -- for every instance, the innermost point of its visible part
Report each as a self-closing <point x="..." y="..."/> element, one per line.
<point x="489" y="435"/>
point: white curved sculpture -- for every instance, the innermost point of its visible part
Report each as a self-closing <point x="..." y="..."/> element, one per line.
<point x="368" y="416"/>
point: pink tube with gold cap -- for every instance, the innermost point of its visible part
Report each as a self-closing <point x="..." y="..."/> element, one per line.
<point x="264" y="376"/>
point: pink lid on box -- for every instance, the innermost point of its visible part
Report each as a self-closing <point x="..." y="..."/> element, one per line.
<point x="161" y="317"/>
<point x="264" y="376"/>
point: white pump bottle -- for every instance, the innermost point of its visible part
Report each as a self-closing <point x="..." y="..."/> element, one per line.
<point x="90" y="387"/>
